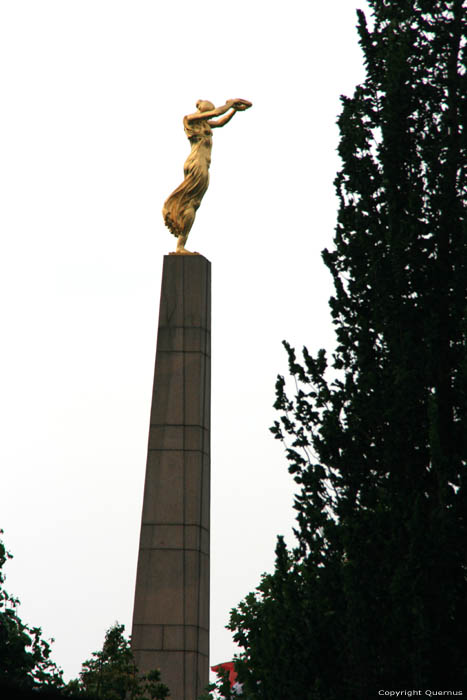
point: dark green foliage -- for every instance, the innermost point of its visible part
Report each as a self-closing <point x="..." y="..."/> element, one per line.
<point x="111" y="674"/>
<point x="24" y="656"/>
<point x="375" y="593"/>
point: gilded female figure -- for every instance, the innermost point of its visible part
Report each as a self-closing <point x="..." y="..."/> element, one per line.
<point x="180" y="208"/>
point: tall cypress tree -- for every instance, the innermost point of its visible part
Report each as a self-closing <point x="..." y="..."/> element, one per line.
<point x="375" y="593"/>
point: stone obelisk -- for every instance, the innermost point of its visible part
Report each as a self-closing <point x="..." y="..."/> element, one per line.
<point x="171" y="611"/>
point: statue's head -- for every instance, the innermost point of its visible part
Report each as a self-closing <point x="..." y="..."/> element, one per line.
<point x="204" y="106"/>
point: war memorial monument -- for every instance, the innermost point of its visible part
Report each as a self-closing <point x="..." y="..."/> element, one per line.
<point x="171" y="610"/>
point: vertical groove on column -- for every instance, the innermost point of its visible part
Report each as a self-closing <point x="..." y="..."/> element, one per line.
<point x="204" y="468"/>
<point x="184" y="482"/>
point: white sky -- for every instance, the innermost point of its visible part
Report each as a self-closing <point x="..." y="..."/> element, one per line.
<point x="91" y="144"/>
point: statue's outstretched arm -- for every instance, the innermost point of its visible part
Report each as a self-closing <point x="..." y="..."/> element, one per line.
<point x="211" y="113"/>
<point x="237" y="106"/>
<point x="220" y="122"/>
<point x="234" y="105"/>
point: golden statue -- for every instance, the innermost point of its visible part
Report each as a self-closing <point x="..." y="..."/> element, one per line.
<point x="180" y="208"/>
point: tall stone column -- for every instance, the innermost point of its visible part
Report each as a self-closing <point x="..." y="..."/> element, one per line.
<point x="171" y="611"/>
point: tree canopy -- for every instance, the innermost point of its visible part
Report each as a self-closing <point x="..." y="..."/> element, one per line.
<point x="111" y="673"/>
<point x="25" y="661"/>
<point x="374" y="595"/>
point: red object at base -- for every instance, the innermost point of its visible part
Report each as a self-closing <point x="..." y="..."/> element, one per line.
<point x="226" y="666"/>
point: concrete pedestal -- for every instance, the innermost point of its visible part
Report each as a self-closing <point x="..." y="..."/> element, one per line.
<point x="171" y="612"/>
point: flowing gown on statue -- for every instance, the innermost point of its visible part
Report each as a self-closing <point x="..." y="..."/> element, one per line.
<point x="180" y="207"/>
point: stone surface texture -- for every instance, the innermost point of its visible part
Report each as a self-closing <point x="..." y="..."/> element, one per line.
<point x="171" y="611"/>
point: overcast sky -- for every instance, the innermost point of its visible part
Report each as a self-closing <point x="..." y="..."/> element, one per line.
<point x="91" y="144"/>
